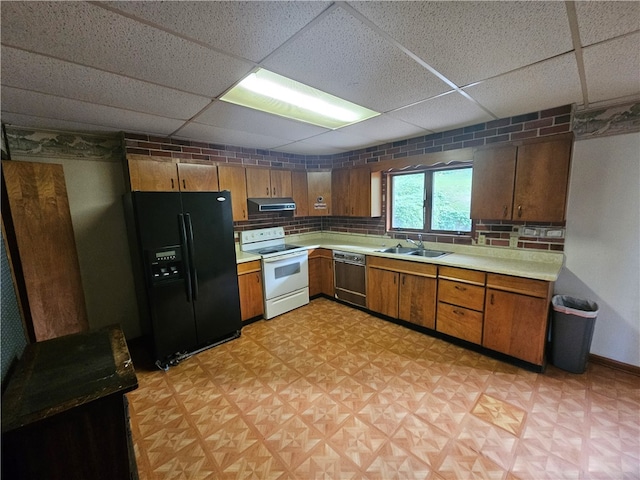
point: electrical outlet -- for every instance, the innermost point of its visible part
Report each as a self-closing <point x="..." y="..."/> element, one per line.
<point x="513" y="241"/>
<point x="482" y="239"/>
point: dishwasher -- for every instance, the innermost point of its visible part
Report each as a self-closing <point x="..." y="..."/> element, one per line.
<point x="350" y="277"/>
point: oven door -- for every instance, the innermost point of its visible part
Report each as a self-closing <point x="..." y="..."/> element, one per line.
<point x="284" y="274"/>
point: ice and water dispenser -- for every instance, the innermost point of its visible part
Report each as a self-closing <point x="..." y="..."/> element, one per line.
<point x="165" y="264"/>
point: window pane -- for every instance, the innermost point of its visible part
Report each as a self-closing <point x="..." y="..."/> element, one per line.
<point x="408" y="201"/>
<point x="451" y="200"/>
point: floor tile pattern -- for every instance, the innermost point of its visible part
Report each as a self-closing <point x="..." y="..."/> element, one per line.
<point x="330" y="392"/>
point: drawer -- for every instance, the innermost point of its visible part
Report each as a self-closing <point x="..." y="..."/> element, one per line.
<point x="462" y="275"/>
<point x="459" y="322"/>
<point x="525" y="286"/>
<point x="463" y="294"/>
<point x="249" y="267"/>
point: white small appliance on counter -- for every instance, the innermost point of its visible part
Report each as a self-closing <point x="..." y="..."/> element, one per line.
<point x="285" y="269"/>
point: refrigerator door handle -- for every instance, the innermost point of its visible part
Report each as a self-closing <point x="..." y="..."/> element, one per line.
<point x="191" y="249"/>
<point x="187" y="260"/>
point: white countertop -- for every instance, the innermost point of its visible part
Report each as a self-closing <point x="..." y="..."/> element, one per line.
<point x="533" y="264"/>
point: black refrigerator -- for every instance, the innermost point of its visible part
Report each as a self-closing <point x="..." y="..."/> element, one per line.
<point x="184" y="263"/>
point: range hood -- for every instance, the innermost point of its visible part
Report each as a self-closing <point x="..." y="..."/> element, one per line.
<point x="257" y="205"/>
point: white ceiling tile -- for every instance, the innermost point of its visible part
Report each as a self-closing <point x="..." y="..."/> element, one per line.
<point x="384" y="128"/>
<point x="211" y="134"/>
<point x="471" y="41"/>
<point x="48" y="106"/>
<point x="28" y="121"/>
<point x="246" y="29"/>
<point x="543" y="85"/>
<point x="340" y="139"/>
<point x="42" y="74"/>
<point x="612" y="68"/>
<point x="87" y="34"/>
<point x="234" y="117"/>
<point x="443" y="113"/>
<point x="598" y="21"/>
<point x="343" y="57"/>
<point x="305" y="148"/>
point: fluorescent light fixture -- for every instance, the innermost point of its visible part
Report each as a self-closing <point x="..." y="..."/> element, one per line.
<point x="272" y="93"/>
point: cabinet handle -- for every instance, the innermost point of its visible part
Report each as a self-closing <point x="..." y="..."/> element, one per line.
<point x="274" y="191"/>
<point x="491" y="299"/>
<point x="394" y="279"/>
<point x="267" y="191"/>
<point x="504" y="211"/>
<point x="462" y="289"/>
<point x="519" y="210"/>
<point x="404" y="277"/>
<point x="184" y="184"/>
<point x="459" y="312"/>
<point x="257" y="278"/>
<point x="172" y="187"/>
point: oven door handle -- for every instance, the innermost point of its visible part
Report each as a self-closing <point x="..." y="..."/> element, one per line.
<point x="286" y="256"/>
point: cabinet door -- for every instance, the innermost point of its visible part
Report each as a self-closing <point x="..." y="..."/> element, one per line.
<point x="382" y="291"/>
<point x="418" y="300"/>
<point x="281" y="183"/>
<point x="152" y="176"/>
<point x="233" y="179"/>
<point x="326" y="267"/>
<point x="198" y="178"/>
<point x="315" y="276"/>
<point x="492" y="184"/>
<point x="542" y="177"/>
<point x="516" y="325"/>
<point x="319" y="188"/>
<point x="258" y="183"/>
<point x="250" y="289"/>
<point x="340" y="192"/>
<point x="365" y="193"/>
<point x="299" y="190"/>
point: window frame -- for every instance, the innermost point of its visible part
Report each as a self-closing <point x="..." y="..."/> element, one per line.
<point x="427" y="205"/>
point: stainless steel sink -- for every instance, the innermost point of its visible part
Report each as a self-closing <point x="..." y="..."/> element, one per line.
<point x="428" y="253"/>
<point x="404" y="250"/>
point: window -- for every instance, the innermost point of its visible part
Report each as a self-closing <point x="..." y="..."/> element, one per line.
<point x="431" y="200"/>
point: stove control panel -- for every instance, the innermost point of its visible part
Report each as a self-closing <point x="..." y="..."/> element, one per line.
<point x="261" y="235"/>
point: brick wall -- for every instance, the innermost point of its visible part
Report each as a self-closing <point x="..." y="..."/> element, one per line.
<point x="535" y="124"/>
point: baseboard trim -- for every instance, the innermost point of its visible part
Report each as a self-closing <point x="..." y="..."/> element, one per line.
<point x="616" y="365"/>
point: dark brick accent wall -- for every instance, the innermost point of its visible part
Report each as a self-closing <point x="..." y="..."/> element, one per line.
<point x="530" y="125"/>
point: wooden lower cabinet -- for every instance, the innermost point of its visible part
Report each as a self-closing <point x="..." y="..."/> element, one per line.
<point x="461" y="303"/>
<point x="250" y="288"/>
<point x="516" y="321"/>
<point x="418" y="300"/>
<point x="404" y="290"/>
<point x="321" y="272"/>
<point x="382" y="291"/>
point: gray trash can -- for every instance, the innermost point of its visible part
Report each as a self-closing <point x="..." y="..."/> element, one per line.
<point x="571" y="332"/>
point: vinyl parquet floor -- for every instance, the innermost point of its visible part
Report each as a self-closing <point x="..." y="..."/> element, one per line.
<point x="330" y="392"/>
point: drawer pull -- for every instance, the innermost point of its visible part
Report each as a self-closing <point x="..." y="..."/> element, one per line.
<point x="462" y="289"/>
<point x="459" y="312"/>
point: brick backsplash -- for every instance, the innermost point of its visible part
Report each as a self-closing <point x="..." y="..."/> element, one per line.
<point x="530" y="125"/>
<point x="498" y="233"/>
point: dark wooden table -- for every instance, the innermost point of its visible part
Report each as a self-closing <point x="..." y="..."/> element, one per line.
<point x="64" y="413"/>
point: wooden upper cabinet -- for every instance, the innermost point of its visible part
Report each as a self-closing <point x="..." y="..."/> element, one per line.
<point x="340" y="191"/>
<point x="232" y="178"/>
<point x="265" y="183"/>
<point x="165" y="176"/>
<point x="525" y="183"/>
<point x="494" y="171"/>
<point x="319" y="193"/>
<point x="356" y="192"/>
<point x="542" y="178"/>
<point x="197" y="178"/>
<point x="299" y="190"/>
<point x="153" y="176"/>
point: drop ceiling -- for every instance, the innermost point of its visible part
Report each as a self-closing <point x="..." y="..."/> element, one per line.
<point x="160" y="67"/>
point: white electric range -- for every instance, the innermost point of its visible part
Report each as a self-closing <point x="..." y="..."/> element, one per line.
<point x="285" y="269"/>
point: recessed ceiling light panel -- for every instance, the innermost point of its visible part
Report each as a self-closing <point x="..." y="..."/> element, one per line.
<point x="272" y="93"/>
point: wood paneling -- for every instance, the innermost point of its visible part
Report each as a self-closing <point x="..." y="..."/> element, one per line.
<point x="39" y="221"/>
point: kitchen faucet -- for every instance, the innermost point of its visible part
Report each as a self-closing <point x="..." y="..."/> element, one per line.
<point x="419" y="243"/>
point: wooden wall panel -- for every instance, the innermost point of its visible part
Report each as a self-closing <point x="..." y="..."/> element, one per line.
<point x="40" y="224"/>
